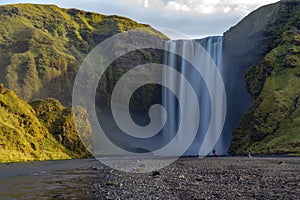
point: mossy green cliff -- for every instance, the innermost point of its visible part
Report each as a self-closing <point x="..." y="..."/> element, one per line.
<point x="42" y="132"/>
<point x="42" y="47"/>
<point x="272" y="124"/>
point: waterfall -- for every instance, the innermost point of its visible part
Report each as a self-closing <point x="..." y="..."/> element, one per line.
<point x="214" y="46"/>
<point x="190" y="49"/>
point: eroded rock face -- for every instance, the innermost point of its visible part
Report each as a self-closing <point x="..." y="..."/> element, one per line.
<point x="242" y="48"/>
<point x="271" y="123"/>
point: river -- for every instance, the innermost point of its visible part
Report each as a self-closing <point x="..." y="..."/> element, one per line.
<point x="46" y="180"/>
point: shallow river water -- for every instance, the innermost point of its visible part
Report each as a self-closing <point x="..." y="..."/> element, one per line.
<point x="46" y="180"/>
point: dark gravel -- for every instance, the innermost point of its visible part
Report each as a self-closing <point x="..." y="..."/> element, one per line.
<point x="209" y="178"/>
<point x="188" y="178"/>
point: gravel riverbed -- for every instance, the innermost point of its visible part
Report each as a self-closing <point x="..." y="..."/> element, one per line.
<point x="187" y="178"/>
<point x="208" y="178"/>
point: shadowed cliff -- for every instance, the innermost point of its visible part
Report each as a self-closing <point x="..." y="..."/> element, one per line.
<point x="265" y="47"/>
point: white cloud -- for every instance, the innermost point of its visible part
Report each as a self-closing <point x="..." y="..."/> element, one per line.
<point x="226" y="9"/>
<point x="215" y="6"/>
<point x="173" y="5"/>
<point x="144" y="2"/>
<point x="191" y="17"/>
<point x="205" y="9"/>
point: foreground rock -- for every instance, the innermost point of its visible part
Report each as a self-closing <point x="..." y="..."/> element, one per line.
<point x="209" y="178"/>
<point x="188" y="178"/>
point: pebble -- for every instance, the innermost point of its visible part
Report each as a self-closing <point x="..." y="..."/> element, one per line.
<point x="192" y="178"/>
<point x="181" y="177"/>
<point x="156" y="173"/>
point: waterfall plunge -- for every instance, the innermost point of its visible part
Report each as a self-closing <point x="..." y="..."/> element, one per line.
<point x="190" y="50"/>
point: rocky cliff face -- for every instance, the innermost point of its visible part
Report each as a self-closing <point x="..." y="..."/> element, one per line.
<point x="268" y="40"/>
<point x="42" y="47"/>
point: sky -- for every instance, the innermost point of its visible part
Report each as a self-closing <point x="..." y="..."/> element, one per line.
<point x="176" y="18"/>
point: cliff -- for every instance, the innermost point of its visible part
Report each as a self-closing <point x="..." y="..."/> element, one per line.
<point x="28" y="134"/>
<point x="269" y="44"/>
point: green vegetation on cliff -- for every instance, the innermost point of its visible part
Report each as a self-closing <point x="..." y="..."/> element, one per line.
<point x="59" y="121"/>
<point x="23" y="137"/>
<point x="42" y="47"/>
<point x="272" y="124"/>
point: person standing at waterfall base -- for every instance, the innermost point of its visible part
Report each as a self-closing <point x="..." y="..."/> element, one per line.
<point x="215" y="153"/>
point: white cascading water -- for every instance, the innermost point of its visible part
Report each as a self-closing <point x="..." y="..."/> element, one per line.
<point x="213" y="46"/>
